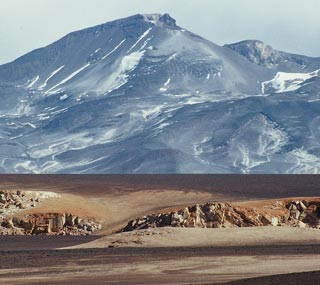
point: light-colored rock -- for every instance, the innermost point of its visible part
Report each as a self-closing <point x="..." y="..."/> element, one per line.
<point x="275" y="221"/>
<point x="301" y="224"/>
<point x="186" y="213"/>
<point x="176" y="220"/>
<point x="302" y="205"/>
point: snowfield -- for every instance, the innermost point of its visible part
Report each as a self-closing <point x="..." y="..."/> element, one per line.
<point x="286" y="82"/>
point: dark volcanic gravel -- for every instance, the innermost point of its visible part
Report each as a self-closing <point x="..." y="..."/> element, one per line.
<point x="234" y="185"/>
<point x="309" y="278"/>
<point x="41" y="257"/>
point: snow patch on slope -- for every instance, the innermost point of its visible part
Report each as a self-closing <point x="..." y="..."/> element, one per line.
<point x="68" y="78"/>
<point x="140" y="39"/>
<point x="304" y="162"/>
<point x="285" y="82"/>
<point x="148" y="113"/>
<point x="33" y="81"/>
<point x="120" y="76"/>
<point x="198" y="149"/>
<point x="72" y="142"/>
<point x="165" y="86"/>
<point x="256" y="142"/>
<point x="112" y="51"/>
<point x="50" y="76"/>
<point x="25" y="166"/>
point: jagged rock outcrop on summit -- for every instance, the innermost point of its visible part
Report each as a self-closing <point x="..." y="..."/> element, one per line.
<point x="226" y="215"/>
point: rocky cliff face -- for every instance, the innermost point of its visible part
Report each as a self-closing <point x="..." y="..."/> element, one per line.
<point x="226" y="215"/>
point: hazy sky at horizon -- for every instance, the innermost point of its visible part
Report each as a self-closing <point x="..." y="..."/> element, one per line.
<point x="289" y="25"/>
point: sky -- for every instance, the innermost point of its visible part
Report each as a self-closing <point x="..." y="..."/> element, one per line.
<point x="288" y="25"/>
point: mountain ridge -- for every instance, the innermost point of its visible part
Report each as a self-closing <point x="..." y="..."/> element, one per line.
<point x="263" y="54"/>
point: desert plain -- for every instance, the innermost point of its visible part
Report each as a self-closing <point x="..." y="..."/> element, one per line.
<point x="270" y="254"/>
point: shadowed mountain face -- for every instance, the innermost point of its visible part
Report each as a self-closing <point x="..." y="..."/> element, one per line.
<point x="143" y="95"/>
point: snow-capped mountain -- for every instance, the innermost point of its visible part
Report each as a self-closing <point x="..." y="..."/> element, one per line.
<point x="143" y="95"/>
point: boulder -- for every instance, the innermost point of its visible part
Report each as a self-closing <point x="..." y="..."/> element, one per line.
<point x="275" y="221"/>
<point x="301" y="224"/>
<point x="8" y="223"/>
<point x="70" y="220"/>
<point x="3" y="199"/>
<point x="302" y="205"/>
<point x="177" y="220"/>
<point x="186" y="213"/>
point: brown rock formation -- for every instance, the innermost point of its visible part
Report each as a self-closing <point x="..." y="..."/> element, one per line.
<point x="11" y="222"/>
<point x="49" y="223"/>
<point x="227" y="215"/>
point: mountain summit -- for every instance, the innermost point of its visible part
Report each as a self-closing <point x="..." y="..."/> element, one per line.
<point x="143" y="95"/>
<point x="160" y="18"/>
<point x="264" y="55"/>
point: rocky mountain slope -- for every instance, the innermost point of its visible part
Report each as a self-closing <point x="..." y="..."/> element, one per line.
<point x="143" y="95"/>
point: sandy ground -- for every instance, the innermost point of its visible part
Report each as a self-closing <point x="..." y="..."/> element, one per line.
<point x="195" y="237"/>
<point x="167" y="255"/>
<point x="230" y="185"/>
<point x="189" y="265"/>
<point x="310" y="278"/>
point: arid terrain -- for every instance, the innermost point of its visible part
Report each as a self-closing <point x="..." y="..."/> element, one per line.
<point x="160" y="229"/>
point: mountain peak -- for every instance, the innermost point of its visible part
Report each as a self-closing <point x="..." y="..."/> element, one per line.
<point x="252" y="42"/>
<point x="257" y="52"/>
<point x="265" y="55"/>
<point x="160" y="19"/>
<point x="260" y="46"/>
<point x="254" y="46"/>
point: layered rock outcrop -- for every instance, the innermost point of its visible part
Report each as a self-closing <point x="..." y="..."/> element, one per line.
<point x="14" y="222"/>
<point x="227" y="215"/>
<point x="48" y="224"/>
